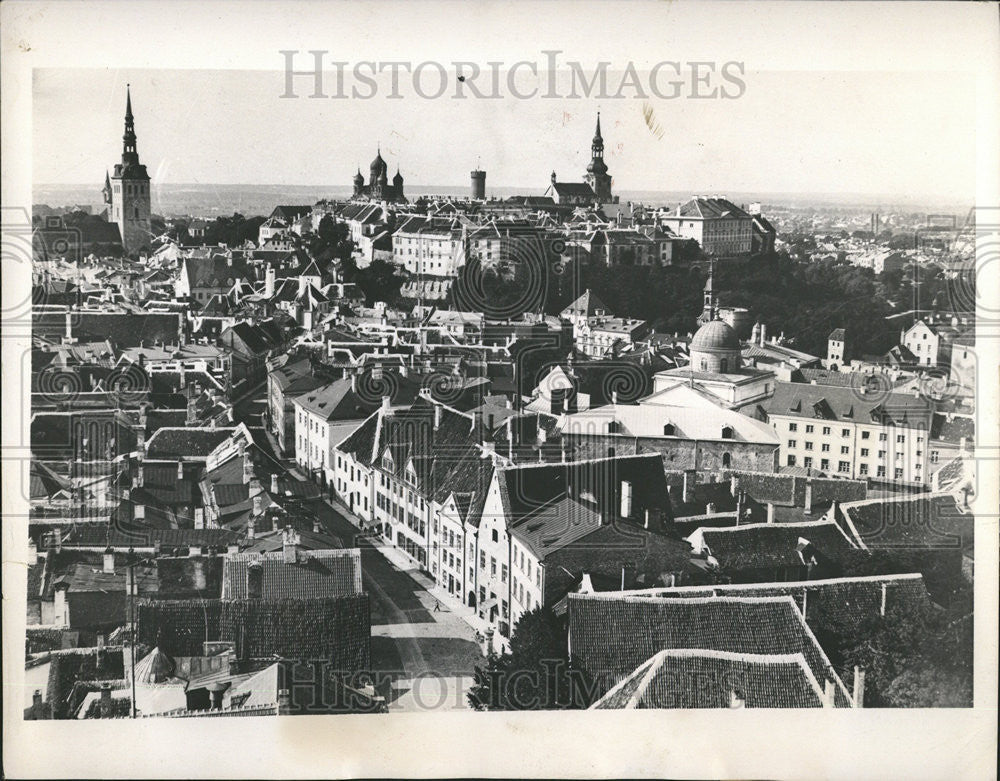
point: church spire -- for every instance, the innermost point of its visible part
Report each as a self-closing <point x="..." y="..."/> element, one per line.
<point x="597" y="133"/>
<point x="129" y="154"/>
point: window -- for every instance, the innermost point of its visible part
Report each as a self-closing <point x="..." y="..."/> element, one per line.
<point x="899" y="473"/>
<point x="496" y="536"/>
<point x="844" y="466"/>
<point x="807" y="462"/>
<point x="863" y="469"/>
<point x="791" y="443"/>
<point x="880" y="472"/>
<point x="529" y="568"/>
<point x="844" y="450"/>
<point x="668" y="430"/>
<point x="826" y="431"/>
<point x="727" y="432"/>
<point x="791" y="460"/>
<point x="493" y="566"/>
<point x="793" y="426"/>
<point x="824" y="464"/>
<point x="845" y="432"/>
<point x="503" y="573"/>
<point x="809" y="445"/>
<point x="482" y="559"/>
<point x="825" y="448"/>
<point x="865" y="434"/>
<point x="881" y="454"/>
<point x="920" y="453"/>
<point x="900" y="439"/>
<point x="864" y="452"/>
<point x="809" y="428"/>
<point x="934" y="456"/>
<point x="882" y="437"/>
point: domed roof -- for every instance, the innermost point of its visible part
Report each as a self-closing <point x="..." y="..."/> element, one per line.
<point x="715" y="335"/>
<point x="358" y="177"/>
<point x="398" y="177"/>
<point x="378" y="165"/>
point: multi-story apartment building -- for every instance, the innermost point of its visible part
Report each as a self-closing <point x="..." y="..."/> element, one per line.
<point x="722" y="228"/>
<point x="428" y="247"/>
<point x="851" y="432"/>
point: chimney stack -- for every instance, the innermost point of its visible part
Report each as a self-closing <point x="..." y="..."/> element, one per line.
<point x="274" y="483"/>
<point x="180" y="471"/>
<point x="386" y="405"/>
<point x="251" y="529"/>
<point x="106" y="701"/>
<point x="809" y="498"/>
<point x="258" y="505"/>
<point x="437" y="416"/>
<point x="734" y="485"/>
<point x="770" y="512"/>
<point x="290" y="545"/>
<point x="317" y="528"/>
<point x="109" y="561"/>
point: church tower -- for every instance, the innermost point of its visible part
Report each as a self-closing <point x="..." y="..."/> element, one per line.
<point x="597" y="172"/>
<point x="130" y="195"/>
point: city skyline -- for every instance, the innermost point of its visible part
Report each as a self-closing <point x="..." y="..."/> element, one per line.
<point x="644" y="138"/>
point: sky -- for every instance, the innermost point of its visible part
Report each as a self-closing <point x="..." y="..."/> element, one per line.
<point x="875" y="132"/>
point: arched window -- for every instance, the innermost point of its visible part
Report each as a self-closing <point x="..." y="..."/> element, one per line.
<point x="723" y="366"/>
<point x="704" y="365"/>
<point x="727" y="432"/>
<point x="668" y="430"/>
<point x="727" y="459"/>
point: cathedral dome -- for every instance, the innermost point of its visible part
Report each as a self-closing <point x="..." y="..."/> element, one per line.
<point x="398" y="178"/>
<point x="358" y="178"/>
<point x="715" y="336"/>
<point x="378" y="167"/>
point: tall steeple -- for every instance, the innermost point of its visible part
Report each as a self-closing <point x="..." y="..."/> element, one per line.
<point x="597" y="171"/>
<point x="129" y="154"/>
<point x="597" y="148"/>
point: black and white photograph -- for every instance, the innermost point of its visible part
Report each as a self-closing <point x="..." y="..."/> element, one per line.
<point x="432" y="376"/>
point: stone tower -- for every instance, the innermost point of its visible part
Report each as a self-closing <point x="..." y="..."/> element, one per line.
<point x="597" y="172"/>
<point x="129" y="190"/>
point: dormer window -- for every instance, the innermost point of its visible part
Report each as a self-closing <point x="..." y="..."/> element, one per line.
<point x="669" y="429"/>
<point x="727" y="432"/>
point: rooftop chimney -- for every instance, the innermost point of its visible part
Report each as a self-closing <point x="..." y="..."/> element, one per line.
<point x="109" y="561"/>
<point x="734" y="485"/>
<point x="317" y="528"/>
<point x="437" y="416"/>
<point x="180" y="470"/>
<point x="809" y="498"/>
<point x="258" y="504"/>
<point x="251" y="529"/>
<point x="274" y="483"/>
<point x="386" y="404"/>
<point x="290" y="545"/>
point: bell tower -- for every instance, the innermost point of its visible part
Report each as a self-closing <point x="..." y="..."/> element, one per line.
<point x="130" y="193"/>
<point x="597" y="171"/>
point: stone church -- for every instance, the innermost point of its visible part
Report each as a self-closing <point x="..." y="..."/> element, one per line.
<point x="126" y="191"/>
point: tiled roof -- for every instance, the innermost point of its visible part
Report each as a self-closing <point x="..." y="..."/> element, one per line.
<point x="711" y="208"/>
<point x="586" y="305"/>
<point x="919" y="522"/>
<point x="189" y="443"/>
<point x="317" y="573"/>
<point x="612" y="635"/>
<point x="573" y="189"/>
<point x="828" y="604"/>
<point x="954" y="430"/>
<point x="216" y="271"/>
<point x="772" y="545"/>
<point x="757" y="680"/>
<point x="848" y="405"/>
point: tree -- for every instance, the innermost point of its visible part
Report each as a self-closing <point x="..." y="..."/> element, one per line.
<point x="535" y="675"/>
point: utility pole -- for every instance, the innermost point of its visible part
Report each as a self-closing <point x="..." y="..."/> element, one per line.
<point x="131" y="621"/>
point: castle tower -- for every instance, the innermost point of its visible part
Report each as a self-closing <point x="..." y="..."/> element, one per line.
<point x="478" y="185"/>
<point x="130" y="194"/>
<point x="597" y="172"/>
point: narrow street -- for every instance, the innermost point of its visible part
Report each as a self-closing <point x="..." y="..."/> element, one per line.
<point x="423" y="657"/>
